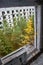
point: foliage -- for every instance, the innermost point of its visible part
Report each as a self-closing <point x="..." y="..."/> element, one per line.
<point x="30" y="31"/>
<point x="20" y="34"/>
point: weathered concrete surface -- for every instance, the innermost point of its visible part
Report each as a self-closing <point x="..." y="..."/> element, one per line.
<point x="38" y="61"/>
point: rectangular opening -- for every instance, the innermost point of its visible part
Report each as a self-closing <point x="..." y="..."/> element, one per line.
<point x="21" y="34"/>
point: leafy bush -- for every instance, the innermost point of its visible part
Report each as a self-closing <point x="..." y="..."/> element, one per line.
<point x="20" y="34"/>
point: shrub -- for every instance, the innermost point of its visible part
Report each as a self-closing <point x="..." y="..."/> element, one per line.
<point x="20" y="34"/>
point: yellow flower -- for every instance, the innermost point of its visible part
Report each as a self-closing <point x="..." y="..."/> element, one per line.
<point x="29" y="28"/>
<point x="29" y="22"/>
<point x="26" y="37"/>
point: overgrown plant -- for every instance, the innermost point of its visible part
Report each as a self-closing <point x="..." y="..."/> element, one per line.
<point x="20" y="34"/>
<point x="5" y="39"/>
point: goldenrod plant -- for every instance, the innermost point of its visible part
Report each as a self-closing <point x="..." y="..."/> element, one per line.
<point x="30" y="30"/>
<point x="21" y="33"/>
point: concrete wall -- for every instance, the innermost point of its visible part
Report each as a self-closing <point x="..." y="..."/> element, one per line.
<point x="13" y="3"/>
<point x="42" y="27"/>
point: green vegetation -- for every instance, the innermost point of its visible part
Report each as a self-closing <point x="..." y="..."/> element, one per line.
<point x="20" y="34"/>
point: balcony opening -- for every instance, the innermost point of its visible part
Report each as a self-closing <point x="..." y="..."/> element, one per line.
<point x="22" y="31"/>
